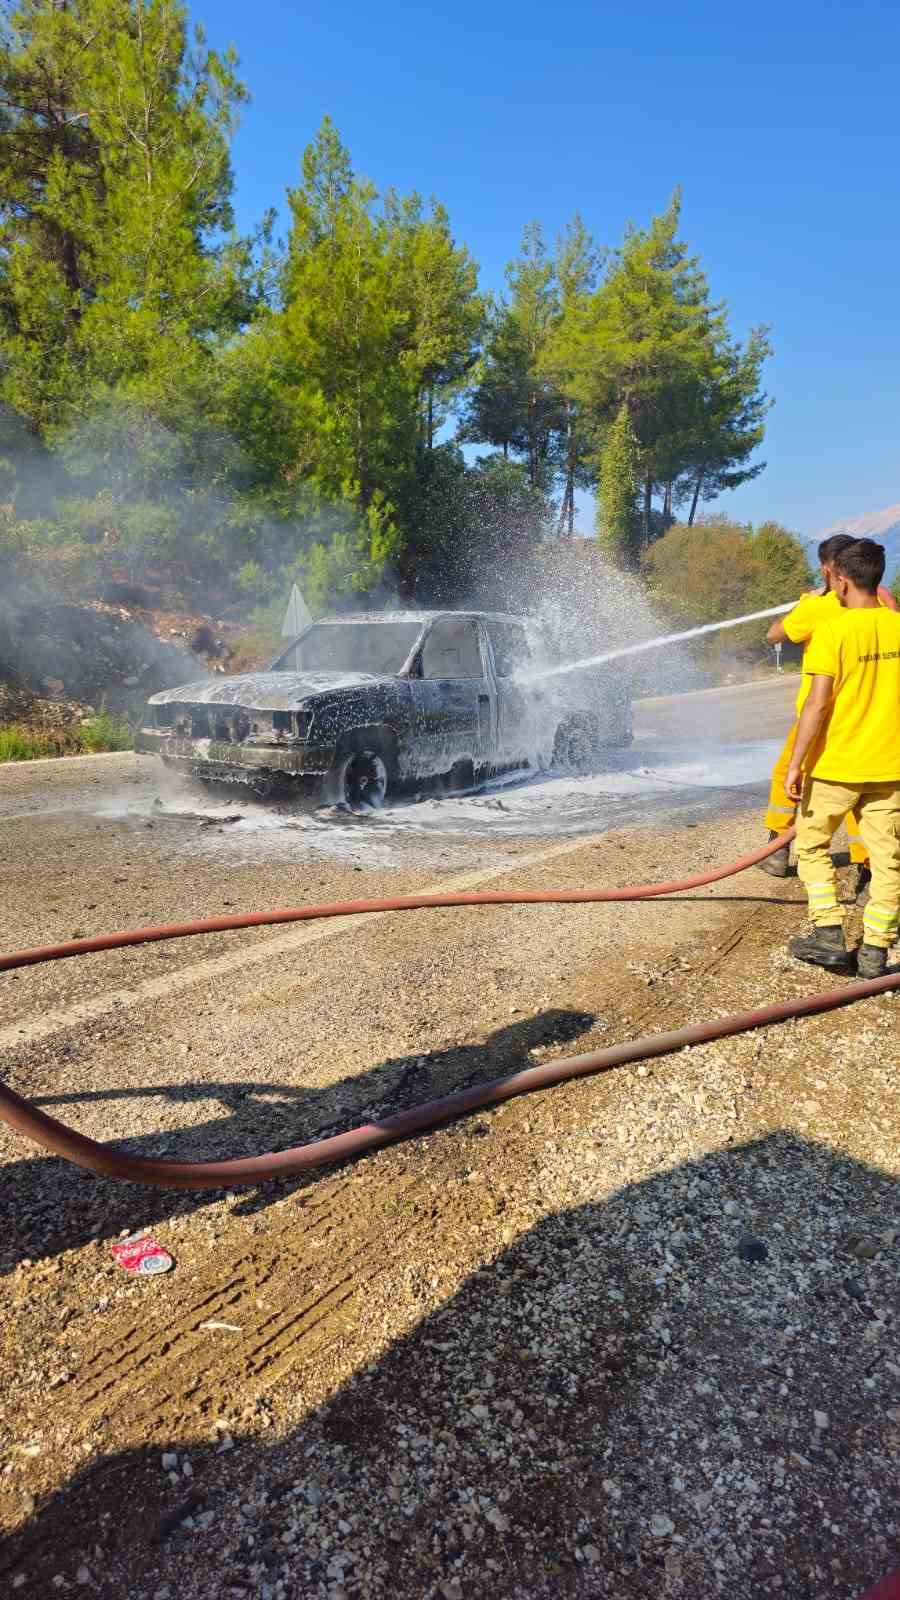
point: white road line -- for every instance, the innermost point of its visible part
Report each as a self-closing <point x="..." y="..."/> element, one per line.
<point x="101" y="1005"/>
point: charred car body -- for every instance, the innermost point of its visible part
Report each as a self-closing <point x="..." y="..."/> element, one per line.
<point x="358" y="705"/>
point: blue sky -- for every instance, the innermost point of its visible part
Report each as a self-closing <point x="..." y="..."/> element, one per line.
<point x="780" y="121"/>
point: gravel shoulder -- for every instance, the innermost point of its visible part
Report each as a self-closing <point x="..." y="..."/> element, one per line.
<point x="632" y="1336"/>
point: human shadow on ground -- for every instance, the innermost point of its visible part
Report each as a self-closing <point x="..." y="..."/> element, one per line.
<point x="679" y="1389"/>
<point x="47" y="1205"/>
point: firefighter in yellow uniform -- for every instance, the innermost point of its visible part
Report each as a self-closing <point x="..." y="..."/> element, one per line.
<point x="798" y="628"/>
<point x="847" y="757"/>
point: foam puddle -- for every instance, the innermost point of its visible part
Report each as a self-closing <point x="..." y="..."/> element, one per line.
<point x="553" y="802"/>
<point x="646" y="783"/>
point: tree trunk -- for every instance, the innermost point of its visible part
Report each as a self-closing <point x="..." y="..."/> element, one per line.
<point x="361" y="453"/>
<point x="648" y="507"/>
<point x="70" y="264"/>
<point x="697" y="487"/>
<point x="430" y="416"/>
<point x="68" y="247"/>
<point x="567" y="509"/>
<point x="570" y="467"/>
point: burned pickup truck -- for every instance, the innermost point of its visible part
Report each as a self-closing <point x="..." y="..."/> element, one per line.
<point x="357" y="707"/>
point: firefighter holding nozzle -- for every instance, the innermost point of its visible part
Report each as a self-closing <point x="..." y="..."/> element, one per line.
<point x="843" y="756"/>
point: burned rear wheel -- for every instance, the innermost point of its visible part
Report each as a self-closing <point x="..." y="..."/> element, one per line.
<point x="576" y="744"/>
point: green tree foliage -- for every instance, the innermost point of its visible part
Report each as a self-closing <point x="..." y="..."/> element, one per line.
<point x="116" y="259"/>
<point x="718" y="569"/>
<point x="520" y="402"/>
<point x="341" y="326"/>
<point x="515" y="405"/>
<point x="344" y="388"/>
<point x="577" y="266"/>
<point x="175" y="397"/>
<point x="618" y="517"/>
<point x="470" y="529"/>
<point x="444" y="313"/>
<point x="121" y="279"/>
<point x="650" y="339"/>
<point x="782" y="563"/>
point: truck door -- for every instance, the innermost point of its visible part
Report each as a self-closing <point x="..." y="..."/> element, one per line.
<point x="454" y="696"/>
<point x="517" y="732"/>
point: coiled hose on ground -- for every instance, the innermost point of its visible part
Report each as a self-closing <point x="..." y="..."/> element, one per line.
<point x="111" y="1163"/>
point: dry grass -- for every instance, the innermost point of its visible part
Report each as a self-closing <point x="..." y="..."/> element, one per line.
<point x="97" y="733"/>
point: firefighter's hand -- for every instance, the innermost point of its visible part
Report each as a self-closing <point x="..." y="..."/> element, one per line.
<point x="793" y="783"/>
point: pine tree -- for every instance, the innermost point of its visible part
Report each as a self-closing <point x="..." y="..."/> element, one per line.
<point x="577" y="265"/>
<point x="114" y="200"/>
<point x="618" y="519"/>
<point x="437" y="283"/>
<point x="515" y="405"/>
<point x="379" y="328"/>
<point x="728" y="423"/>
<point x="342" y="327"/>
<point x="650" y="339"/>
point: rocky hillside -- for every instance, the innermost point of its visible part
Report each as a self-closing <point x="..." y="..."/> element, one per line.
<point x="58" y="660"/>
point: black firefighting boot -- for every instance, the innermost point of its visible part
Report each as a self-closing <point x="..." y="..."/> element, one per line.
<point x="871" y="961"/>
<point x="824" y="947"/>
<point x="778" y="863"/>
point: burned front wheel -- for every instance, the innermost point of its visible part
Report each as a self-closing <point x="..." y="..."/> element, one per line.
<point x="359" y="780"/>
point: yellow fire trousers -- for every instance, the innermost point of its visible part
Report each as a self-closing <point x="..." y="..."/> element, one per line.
<point x="782" y="811"/>
<point x="822" y="810"/>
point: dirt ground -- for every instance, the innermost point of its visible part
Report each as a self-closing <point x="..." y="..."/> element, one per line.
<point x="634" y="1336"/>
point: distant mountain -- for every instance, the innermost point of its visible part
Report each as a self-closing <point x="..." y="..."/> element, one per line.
<point x="881" y="525"/>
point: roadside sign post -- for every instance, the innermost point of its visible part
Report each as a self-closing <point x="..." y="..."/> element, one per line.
<point x="297" y="616"/>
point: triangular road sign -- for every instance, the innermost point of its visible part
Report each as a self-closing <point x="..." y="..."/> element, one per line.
<point x="296" y="617"/>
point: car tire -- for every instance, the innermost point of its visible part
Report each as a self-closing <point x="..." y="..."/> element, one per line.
<point x="461" y="776"/>
<point x="360" y="778"/>
<point x="622" y="721"/>
<point x="576" y="744"/>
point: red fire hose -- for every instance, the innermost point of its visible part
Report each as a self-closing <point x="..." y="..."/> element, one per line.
<point x="84" y="1152"/>
<point x="56" y="1137"/>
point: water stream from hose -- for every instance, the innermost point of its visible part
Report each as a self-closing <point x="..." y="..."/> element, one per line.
<point x="655" y="644"/>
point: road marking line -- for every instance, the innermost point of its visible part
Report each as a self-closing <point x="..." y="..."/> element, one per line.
<point x="101" y="1005"/>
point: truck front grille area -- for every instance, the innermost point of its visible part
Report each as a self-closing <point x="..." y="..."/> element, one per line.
<point x="232" y="724"/>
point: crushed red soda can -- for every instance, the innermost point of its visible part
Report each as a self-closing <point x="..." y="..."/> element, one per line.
<point x="140" y="1253"/>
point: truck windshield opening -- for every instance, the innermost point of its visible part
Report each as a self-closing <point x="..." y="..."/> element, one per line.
<point x="375" y="647"/>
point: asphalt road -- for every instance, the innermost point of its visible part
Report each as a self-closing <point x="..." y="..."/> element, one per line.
<point x="94" y="844"/>
<point x="694" y="756"/>
<point x="759" y="710"/>
<point x="524" y="1358"/>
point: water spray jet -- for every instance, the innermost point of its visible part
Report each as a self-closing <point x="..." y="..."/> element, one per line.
<point x="657" y="643"/>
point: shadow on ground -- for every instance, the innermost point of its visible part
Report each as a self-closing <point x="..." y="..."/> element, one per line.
<point x="681" y="1389"/>
<point x="47" y="1205"/>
